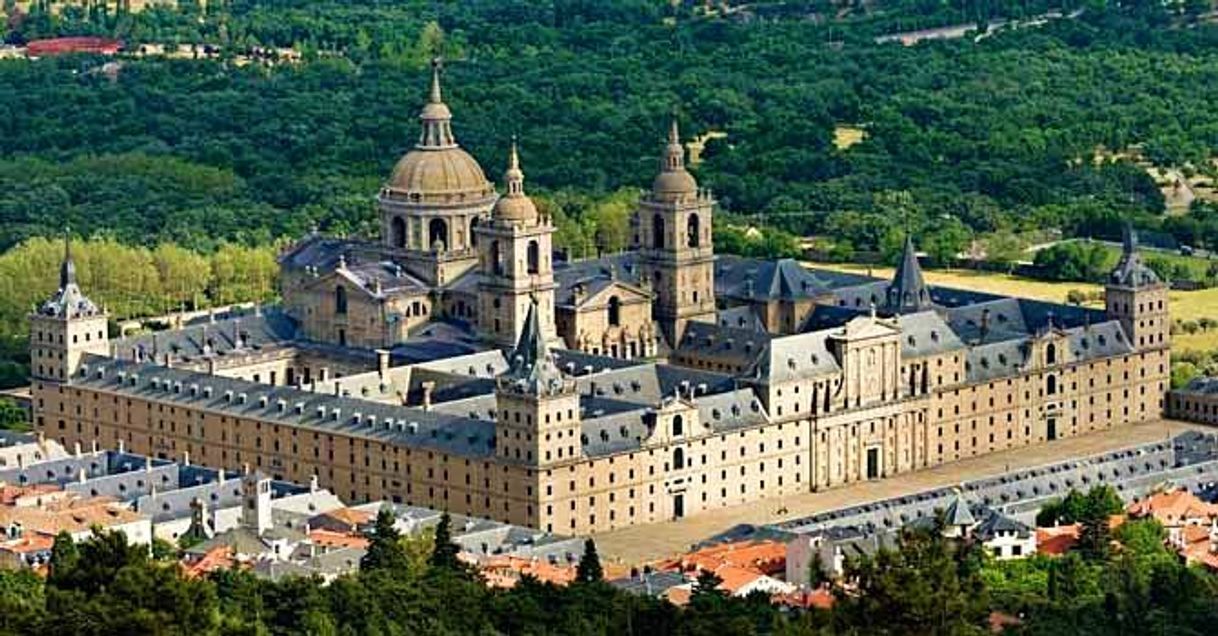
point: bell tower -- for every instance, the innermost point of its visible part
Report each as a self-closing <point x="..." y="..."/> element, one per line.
<point x="1137" y="298"/>
<point x="515" y="259"/>
<point x="673" y="238"/>
<point x="65" y="328"/>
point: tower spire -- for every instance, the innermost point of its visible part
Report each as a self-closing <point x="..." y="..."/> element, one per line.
<point x="674" y="152"/>
<point x="514" y="176"/>
<point x="436" y="117"/>
<point x="436" y="96"/>
<point x="67" y="269"/>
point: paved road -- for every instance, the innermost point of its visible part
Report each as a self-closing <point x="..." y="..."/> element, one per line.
<point x="641" y="544"/>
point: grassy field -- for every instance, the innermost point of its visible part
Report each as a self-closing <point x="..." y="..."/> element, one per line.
<point x="846" y="136"/>
<point x="1190" y="305"/>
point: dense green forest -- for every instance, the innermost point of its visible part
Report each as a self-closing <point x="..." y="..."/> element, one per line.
<point x="963" y="137"/>
<point x="928" y="585"/>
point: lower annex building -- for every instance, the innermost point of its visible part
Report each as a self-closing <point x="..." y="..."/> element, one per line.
<point x="455" y="364"/>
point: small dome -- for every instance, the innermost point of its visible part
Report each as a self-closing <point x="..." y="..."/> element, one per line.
<point x="514" y="205"/>
<point x="669" y="186"/>
<point x="439" y="173"/>
<point x="514" y="208"/>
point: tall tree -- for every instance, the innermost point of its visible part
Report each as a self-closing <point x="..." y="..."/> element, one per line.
<point x="589" y="569"/>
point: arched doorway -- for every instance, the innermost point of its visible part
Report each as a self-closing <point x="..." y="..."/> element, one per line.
<point x="615" y="311"/>
<point x="397" y="232"/>
<point x="437" y="235"/>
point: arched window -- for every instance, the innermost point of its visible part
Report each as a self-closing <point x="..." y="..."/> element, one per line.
<point x="678" y="426"/>
<point x="397" y="232"/>
<point x="694" y="231"/>
<point x="1051" y="354"/>
<point x="496" y="259"/>
<point x="473" y="235"/>
<point x="437" y="235"/>
<point x="678" y="459"/>
<point x="615" y="311"/>
<point x="340" y="300"/>
<point x="657" y="231"/>
<point x="1051" y="385"/>
<point x="534" y="257"/>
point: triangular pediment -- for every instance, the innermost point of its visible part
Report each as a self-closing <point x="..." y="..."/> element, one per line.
<point x="624" y="291"/>
<point x="865" y="327"/>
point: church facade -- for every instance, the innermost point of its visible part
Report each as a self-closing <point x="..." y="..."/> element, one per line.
<point x="455" y="363"/>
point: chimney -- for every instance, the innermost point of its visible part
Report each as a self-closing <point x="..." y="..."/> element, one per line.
<point x="382" y="362"/>
<point x="220" y="476"/>
<point x="76" y="450"/>
<point x="121" y="446"/>
<point x="186" y="458"/>
<point x="428" y="387"/>
<point x="313" y="486"/>
<point x="985" y="323"/>
<point x="147" y="463"/>
<point x="82" y="475"/>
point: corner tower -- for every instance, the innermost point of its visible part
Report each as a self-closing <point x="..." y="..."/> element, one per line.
<point x="538" y="420"/>
<point x="435" y="198"/>
<point x="1137" y="298"/>
<point x="673" y="237"/>
<point x="65" y="328"/>
<point x="516" y="264"/>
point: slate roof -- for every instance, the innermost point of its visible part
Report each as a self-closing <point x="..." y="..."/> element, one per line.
<point x="993" y="524"/>
<point x="235" y="335"/>
<point x="759" y="279"/>
<point x="926" y="333"/>
<point x="386" y="423"/>
<point x="794" y="357"/>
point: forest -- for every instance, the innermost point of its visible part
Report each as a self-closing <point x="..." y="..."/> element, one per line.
<point x="963" y="138"/>
<point x="1122" y="582"/>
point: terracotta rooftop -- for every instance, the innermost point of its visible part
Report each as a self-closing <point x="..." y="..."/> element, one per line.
<point x="331" y="539"/>
<point x="72" y="516"/>
<point x="1174" y="508"/>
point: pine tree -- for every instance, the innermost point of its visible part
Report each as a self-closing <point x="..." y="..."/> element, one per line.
<point x="706" y="587"/>
<point x="444" y="555"/>
<point x="64" y="558"/>
<point x="385" y="551"/>
<point x="589" y="569"/>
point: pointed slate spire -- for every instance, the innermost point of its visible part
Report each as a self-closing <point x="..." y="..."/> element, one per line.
<point x="67" y="269"/>
<point x="531" y="366"/>
<point x="1130" y="270"/>
<point x="907" y="293"/>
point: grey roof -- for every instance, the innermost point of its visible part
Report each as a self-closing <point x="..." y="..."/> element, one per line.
<point x="733" y="410"/>
<point x="1204" y="385"/>
<point x="958" y="513"/>
<point x="993" y="524"/>
<point x="751" y="278"/>
<point x="236" y="335"/>
<point x="740" y="347"/>
<point x="908" y="292"/>
<point x="1130" y="270"/>
<point x="287" y="406"/>
<point x="795" y="357"/>
<point x="926" y="333"/>
<point x="742" y="317"/>
<point x="648" y="384"/>
<point x="653" y="584"/>
<point x="997" y="360"/>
